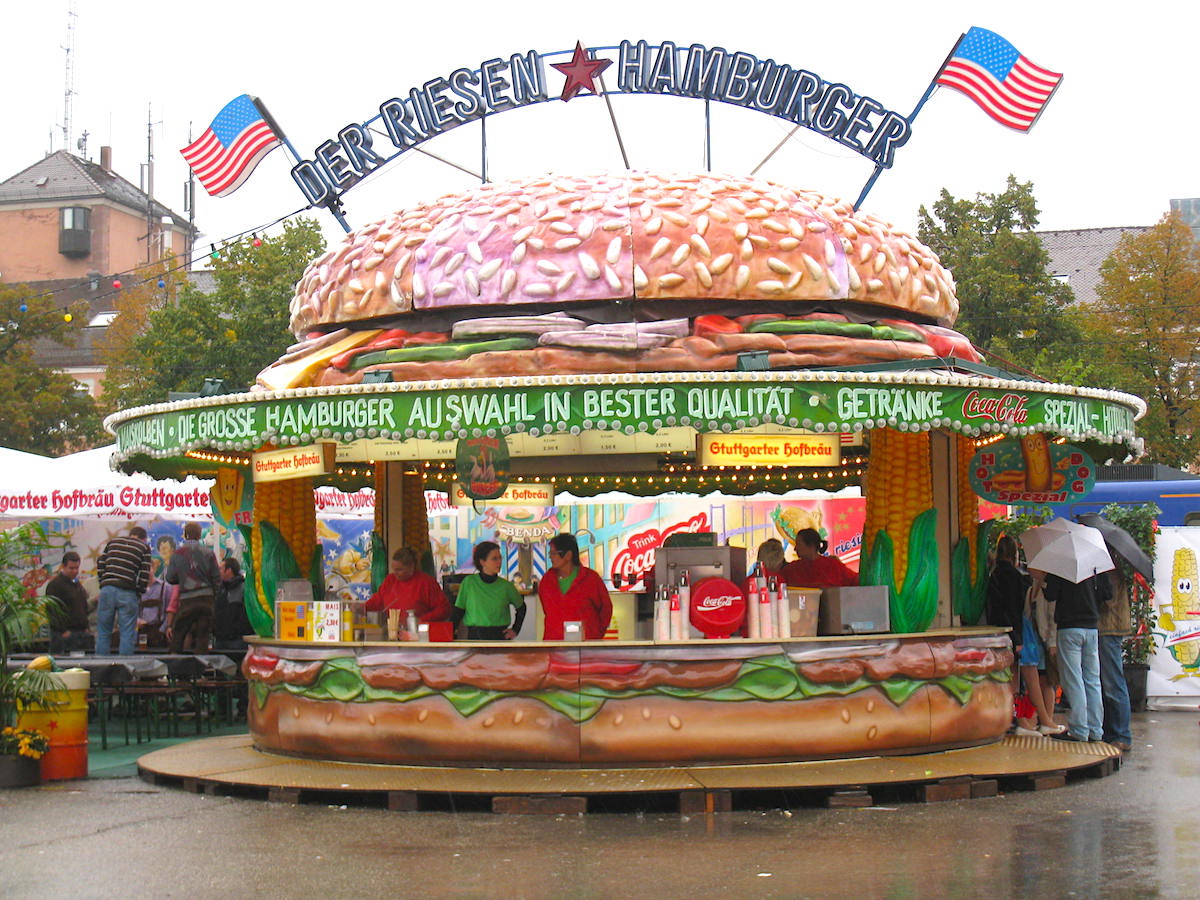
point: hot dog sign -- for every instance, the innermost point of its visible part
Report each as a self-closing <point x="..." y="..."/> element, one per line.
<point x="1032" y="469"/>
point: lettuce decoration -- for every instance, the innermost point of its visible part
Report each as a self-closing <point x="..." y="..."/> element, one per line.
<point x="379" y="561"/>
<point x="258" y="611"/>
<point x="913" y="606"/>
<point x="279" y="563"/>
<point x="919" y="597"/>
<point x="970" y="597"/>
<point x="773" y="678"/>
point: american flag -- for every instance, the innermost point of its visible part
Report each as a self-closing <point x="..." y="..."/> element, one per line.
<point x="225" y="155"/>
<point x="1009" y="87"/>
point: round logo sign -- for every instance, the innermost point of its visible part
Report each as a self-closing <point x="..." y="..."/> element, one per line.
<point x="718" y="607"/>
<point x="1032" y="469"/>
<point x="482" y="466"/>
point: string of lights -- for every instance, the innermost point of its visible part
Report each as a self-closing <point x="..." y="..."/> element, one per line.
<point x="675" y="474"/>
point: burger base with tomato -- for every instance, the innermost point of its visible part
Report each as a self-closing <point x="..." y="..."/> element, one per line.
<point x="558" y="704"/>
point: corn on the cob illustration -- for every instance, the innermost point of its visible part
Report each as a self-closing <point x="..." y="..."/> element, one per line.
<point x="1039" y="474"/>
<point x="1185" y="604"/>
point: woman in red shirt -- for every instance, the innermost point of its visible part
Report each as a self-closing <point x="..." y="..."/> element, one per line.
<point x="571" y="592"/>
<point x="812" y="568"/>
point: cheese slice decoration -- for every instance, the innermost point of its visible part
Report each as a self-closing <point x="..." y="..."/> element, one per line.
<point x="298" y="370"/>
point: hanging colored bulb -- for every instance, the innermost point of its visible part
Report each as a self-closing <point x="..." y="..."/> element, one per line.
<point x="67" y="317"/>
<point x="117" y="283"/>
<point x="257" y="241"/>
<point x="216" y="254"/>
<point x="23" y="308"/>
<point x="161" y="284"/>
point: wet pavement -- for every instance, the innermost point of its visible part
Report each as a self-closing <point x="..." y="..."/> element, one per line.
<point x="1135" y="833"/>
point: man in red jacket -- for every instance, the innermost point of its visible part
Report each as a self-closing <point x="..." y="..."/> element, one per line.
<point x="571" y="592"/>
<point x="409" y="588"/>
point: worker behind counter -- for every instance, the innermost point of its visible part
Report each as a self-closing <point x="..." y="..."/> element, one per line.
<point x="406" y="587"/>
<point x="484" y="599"/>
<point x="571" y="592"/>
<point x="812" y="568"/>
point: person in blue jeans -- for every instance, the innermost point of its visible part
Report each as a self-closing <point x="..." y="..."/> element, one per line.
<point x="1114" y="626"/>
<point x="1076" y="615"/>
<point x="124" y="571"/>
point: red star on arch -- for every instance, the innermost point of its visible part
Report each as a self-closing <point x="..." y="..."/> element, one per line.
<point x="581" y="71"/>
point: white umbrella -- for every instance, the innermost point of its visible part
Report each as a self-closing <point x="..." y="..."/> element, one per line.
<point x="1067" y="549"/>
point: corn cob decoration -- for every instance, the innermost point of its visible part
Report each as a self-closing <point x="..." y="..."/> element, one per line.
<point x="967" y="499"/>
<point x="899" y="488"/>
<point x="968" y="569"/>
<point x="899" y="530"/>
<point x="1185" y="605"/>
<point x="414" y="518"/>
<point x="283" y="541"/>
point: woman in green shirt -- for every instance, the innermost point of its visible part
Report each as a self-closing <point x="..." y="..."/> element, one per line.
<point x="484" y="599"/>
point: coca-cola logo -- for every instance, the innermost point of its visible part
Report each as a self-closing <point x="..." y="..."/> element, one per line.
<point x="718" y="606"/>
<point x="632" y="564"/>
<point x="717" y="602"/>
<point x="1009" y="408"/>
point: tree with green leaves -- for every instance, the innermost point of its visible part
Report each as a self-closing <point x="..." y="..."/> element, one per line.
<point x="1012" y="308"/>
<point x="1147" y="324"/>
<point x="187" y="336"/>
<point x="41" y="410"/>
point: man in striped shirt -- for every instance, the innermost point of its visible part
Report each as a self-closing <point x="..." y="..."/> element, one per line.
<point x="124" y="570"/>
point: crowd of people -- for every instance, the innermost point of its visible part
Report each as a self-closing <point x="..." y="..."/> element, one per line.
<point x="489" y="606"/>
<point x="188" y="602"/>
<point x="1064" y="634"/>
<point x="191" y="600"/>
<point x="1057" y="628"/>
<point x="492" y="609"/>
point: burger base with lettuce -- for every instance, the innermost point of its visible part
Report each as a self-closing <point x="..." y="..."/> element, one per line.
<point x="556" y="704"/>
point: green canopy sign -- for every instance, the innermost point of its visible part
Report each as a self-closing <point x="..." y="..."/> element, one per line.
<point x="833" y="402"/>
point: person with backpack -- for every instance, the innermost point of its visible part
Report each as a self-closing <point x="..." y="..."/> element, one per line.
<point x="194" y="568"/>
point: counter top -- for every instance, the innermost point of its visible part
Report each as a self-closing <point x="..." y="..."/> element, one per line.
<point x="963" y="632"/>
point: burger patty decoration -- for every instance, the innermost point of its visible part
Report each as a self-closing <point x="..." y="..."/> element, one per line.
<point x="632" y="272"/>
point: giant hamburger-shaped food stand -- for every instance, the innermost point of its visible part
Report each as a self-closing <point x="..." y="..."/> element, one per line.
<point x="575" y="318"/>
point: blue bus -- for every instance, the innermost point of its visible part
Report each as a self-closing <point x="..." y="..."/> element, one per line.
<point x="1178" y="500"/>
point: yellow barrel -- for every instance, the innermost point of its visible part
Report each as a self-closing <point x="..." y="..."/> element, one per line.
<point x="64" y="722"/>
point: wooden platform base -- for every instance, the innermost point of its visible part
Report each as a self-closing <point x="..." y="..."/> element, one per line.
<point x="231" y="765"/>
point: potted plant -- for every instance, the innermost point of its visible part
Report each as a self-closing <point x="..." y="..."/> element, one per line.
<point x="1141" y="523"/>
<point x="21" y="615"/>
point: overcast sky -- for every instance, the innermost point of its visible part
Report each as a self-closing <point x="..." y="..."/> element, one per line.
<point x="1116" y="143"/>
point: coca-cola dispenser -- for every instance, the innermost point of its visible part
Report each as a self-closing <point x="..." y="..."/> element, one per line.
<point x="671" y="564"/>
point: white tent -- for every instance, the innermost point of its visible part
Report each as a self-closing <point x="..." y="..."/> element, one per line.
<point x="84" y="485"/>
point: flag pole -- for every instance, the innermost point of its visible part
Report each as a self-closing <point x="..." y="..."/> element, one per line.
<point x="916" y="109"/>
<point x="331" y="203"/>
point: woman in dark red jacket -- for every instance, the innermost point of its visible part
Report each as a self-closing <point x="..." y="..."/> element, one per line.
<point x="571" y="592"/>
<point x="812" y="568"/>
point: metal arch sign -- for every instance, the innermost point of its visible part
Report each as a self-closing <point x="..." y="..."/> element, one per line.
<point x="795" y="95"/>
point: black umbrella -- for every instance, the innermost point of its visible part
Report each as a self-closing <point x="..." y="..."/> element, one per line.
<point x="1120" y="541"/>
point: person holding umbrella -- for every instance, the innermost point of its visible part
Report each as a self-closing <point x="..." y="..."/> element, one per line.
<point x="1071" y="555"/>
<point x="1115" y="625"/>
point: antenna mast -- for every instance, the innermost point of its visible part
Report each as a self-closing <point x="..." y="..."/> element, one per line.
<point x="69" y="91"/>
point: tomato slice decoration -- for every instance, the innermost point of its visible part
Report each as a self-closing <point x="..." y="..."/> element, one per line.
<point x="713" y="324"/>
<point x="571" y="664"/>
